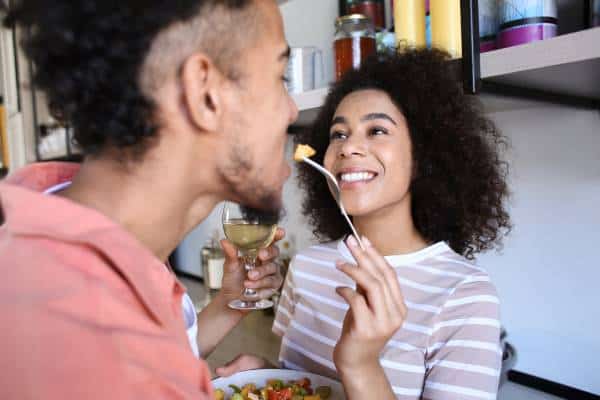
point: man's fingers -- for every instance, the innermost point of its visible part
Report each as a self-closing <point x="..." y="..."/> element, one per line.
<point x="243" y="362"/>
<point x="269" y="253"/>
<point x="270" y="282"/>
<point x="263" y="271"/>
<point x="279" y="234"/>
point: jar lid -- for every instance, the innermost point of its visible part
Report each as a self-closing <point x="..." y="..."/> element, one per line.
<point x="354" y="18"/>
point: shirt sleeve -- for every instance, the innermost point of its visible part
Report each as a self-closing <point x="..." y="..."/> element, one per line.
<point x="287" y="303"/>
<point x="464" y="356"/>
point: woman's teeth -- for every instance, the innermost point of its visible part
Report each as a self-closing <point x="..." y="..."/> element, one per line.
<point x="357" y="176"/>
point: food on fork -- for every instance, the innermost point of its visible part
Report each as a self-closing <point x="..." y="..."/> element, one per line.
<point x="303" y="151"/>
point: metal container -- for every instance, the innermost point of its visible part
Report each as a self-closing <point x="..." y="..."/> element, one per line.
<point x="354" y="42"/>
<point x="373" y="9"/>
<point x="488" y="24"/>
<point x="305" y="69"/>
<point x="524" y="21"/>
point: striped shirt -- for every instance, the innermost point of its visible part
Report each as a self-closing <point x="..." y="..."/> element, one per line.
<point x="448" y="347"/>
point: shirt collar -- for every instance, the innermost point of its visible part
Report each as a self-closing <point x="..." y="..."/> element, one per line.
<point x="398" y="260"/>
<point x="29" y="212"/>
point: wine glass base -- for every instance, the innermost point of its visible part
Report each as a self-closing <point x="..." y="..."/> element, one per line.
<point x="250" y="305"/>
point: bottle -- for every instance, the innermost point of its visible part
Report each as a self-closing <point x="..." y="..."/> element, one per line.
<point x="212" y="264"/>
<point x="409" y="23"/>
<point x="354" y="42"/>
<point x="446" y="31"/>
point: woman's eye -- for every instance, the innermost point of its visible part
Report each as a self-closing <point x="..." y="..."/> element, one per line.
<point x="337" y="135"/>
<point x="378" y="131"/>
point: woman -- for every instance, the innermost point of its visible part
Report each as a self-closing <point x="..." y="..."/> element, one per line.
<point x="420" y="173"/>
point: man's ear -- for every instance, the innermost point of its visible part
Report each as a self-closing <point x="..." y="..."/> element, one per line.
<point x="201" y="81"/>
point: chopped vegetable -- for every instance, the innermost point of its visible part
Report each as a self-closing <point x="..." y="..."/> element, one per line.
<point x="235" y="389"/>
<point x="276" y="389"/>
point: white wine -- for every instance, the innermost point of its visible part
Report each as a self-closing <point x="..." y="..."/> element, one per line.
<point x="246" y="236"/>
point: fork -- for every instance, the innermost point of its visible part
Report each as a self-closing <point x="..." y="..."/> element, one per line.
<point x="337" y="195"/>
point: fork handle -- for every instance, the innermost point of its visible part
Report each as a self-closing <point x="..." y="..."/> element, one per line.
<point x="354" y="232"/>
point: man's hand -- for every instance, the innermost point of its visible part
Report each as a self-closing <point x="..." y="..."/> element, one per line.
<point x="266" y="278"/>
<point x="243" y="362"/>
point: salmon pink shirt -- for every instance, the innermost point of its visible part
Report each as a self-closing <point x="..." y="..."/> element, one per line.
<point x="86" y="311"/>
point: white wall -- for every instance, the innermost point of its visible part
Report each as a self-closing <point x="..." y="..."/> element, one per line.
<point x="548" y="275"/>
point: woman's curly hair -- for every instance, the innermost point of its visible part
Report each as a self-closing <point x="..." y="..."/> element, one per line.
<point x="88" y="55"/>
<point x="459" y="186"/>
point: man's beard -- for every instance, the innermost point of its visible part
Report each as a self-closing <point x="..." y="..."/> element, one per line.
<point x="258" y="201"/>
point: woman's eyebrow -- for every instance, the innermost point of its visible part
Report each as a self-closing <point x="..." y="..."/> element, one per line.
<point x="339" y="120"/>
<point x="372" y="116"/>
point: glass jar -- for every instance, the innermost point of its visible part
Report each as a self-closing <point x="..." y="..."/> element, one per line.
<point x="212" y="265"/>
<point x="373" y="9"/>
<point x="354" y="42"/>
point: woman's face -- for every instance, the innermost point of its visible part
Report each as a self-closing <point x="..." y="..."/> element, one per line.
<point x="370" y="153"/>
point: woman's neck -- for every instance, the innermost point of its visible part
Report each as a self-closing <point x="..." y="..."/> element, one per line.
<point x="392" y="230"/>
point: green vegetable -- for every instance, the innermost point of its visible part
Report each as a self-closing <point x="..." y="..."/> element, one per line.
<point x="235" y="389"/>
<point x="237" y="396"/>
<point x="276" y="384"/>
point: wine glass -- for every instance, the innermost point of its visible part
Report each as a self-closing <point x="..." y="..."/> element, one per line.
<point x="249" y="230"/>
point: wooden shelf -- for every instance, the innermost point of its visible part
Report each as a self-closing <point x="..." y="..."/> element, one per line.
<point x="566" y="65"/>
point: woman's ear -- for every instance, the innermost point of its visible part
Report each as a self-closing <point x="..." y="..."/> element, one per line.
<point x="201" y="85"/>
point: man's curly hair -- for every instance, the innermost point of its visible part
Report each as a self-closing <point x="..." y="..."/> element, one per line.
<point x="459" y="186"/>
<point x="89" y="57"/>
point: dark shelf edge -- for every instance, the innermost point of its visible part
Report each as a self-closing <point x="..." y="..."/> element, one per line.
<point x="550" y="387"/>
<point x="501" y="89"/>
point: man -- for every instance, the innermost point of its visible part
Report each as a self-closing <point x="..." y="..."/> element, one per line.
<point x="177" y="105"/>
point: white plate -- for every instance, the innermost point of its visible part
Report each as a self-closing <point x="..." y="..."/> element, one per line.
<point x="260" y="377"/>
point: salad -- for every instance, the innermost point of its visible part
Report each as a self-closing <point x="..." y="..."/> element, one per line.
<point x="276" y="389"/>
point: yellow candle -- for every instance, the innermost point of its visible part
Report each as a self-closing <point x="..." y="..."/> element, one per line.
<point x="445" y="26"/>
<point x="409" y="22"/>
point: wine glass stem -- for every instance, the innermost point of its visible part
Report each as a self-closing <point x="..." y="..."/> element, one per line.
<point x="249" y="259"/>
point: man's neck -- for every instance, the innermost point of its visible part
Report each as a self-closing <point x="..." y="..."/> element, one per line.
<point x="152" y="200"/>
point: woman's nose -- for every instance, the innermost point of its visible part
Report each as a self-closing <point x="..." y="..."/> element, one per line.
<point x="353" y="146"/>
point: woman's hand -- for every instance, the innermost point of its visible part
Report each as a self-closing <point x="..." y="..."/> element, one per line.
<point x="377" y="310"/>
<point x="266" y="278"/>
<point x="243" y="362"/>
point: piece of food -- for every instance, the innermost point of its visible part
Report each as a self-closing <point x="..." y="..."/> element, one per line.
<point x="302" y="151"/>
<point x="219" y="394"/>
